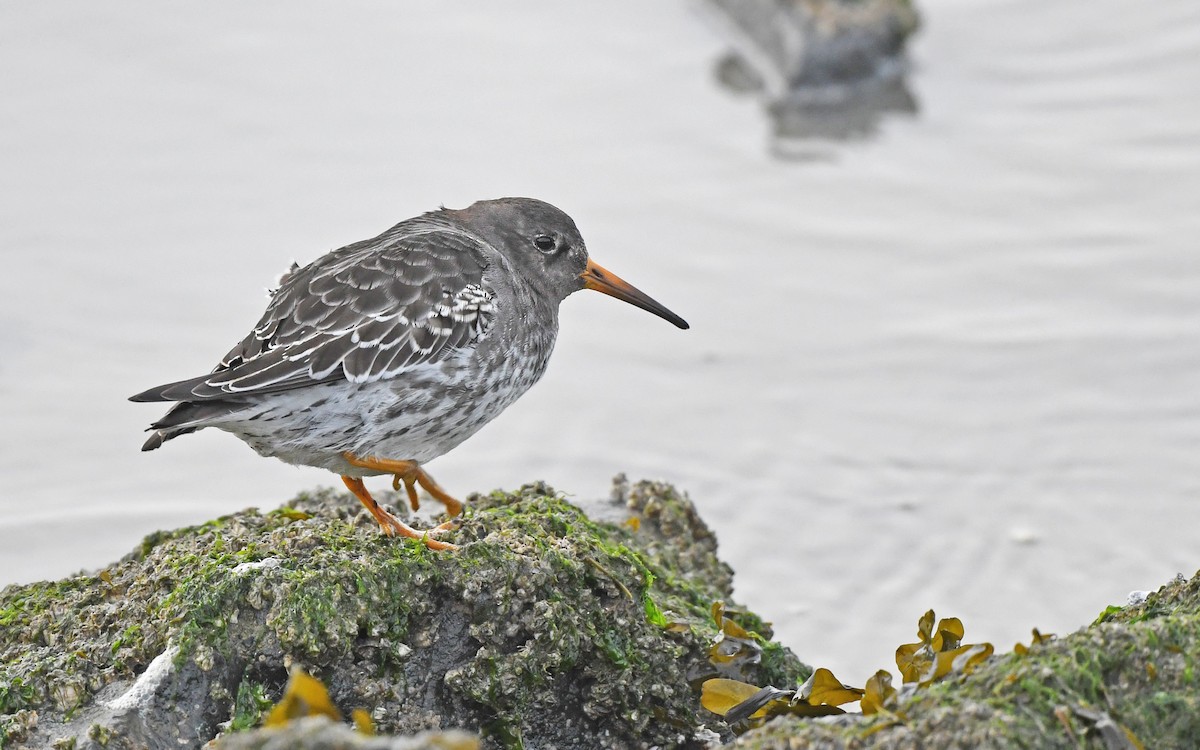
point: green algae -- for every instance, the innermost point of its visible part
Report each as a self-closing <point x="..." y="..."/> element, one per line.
<point x="250" y="704"/>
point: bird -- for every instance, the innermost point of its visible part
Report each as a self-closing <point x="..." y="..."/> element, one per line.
<point x="386" y="353"/>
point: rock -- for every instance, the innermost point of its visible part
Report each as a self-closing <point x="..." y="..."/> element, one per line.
<point x="548" y="628"/>
<point x="797" y="44"/>
<point x="545" y="628"/>
<point x="825" y="68"/>
<point x="322" y="733"/>
<point x="1132" y="674"/>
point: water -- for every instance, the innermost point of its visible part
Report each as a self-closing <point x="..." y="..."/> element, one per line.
<point x="952" y="365"/>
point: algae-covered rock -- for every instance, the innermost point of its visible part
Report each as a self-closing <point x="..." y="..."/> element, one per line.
<point x="545" y="628"/>
<point x="322" y="733"/>
<point x="1130" y="680"/>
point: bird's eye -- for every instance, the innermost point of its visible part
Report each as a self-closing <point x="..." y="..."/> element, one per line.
<point x="545" y="243"/>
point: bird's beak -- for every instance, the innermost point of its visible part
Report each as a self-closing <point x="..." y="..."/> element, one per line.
<point x="595" y="277"/>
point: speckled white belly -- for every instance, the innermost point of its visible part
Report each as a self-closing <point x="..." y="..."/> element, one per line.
<point x="417" y="416"/>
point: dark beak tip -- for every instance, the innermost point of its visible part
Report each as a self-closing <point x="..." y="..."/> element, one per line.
<point x="597" y="278"/>
<point x="665" y="314"/>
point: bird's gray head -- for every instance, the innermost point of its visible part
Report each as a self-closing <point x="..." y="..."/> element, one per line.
<point x="543" y="244"/>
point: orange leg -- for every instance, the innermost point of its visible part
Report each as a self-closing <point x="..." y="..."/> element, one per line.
<point x="411" y="474"/>
<point x="391" y="525"/>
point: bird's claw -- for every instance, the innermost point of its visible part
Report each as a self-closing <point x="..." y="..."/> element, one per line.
<point x="442" y="528"/>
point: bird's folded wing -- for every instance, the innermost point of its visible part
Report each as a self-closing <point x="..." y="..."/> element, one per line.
<point x="363" y="313"/>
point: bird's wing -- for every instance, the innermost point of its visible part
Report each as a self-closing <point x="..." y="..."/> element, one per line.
<point x="362" y="313"/>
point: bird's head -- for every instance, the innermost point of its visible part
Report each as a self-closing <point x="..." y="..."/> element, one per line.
<point x="544" y="245"/>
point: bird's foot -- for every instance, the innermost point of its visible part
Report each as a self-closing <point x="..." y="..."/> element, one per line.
<point x="399" y="528"/>
<point x="451" y="525"/>
<point x="392" y="526"/>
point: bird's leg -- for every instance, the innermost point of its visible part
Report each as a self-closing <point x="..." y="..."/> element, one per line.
<point x="391" y="525"/>
<point x="410" y="474"/>
<point x="410" y="487"/>
<point x="454" y="506"/>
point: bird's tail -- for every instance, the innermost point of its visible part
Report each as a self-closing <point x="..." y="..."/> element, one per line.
<point x="161" y="436"/>
<point x="186" y="417"/>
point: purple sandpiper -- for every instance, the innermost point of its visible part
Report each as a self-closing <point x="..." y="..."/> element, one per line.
<point x="387" y="353"/>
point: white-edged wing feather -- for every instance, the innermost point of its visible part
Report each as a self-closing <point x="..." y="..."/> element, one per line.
<point x="363" y="313"/>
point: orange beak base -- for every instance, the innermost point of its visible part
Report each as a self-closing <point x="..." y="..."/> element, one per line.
<point x="596" y="277"/>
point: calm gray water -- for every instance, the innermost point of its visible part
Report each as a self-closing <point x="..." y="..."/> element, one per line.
<point x="956" y="365"/>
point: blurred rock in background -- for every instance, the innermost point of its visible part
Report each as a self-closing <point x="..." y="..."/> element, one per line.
<point x="827" y="69"/>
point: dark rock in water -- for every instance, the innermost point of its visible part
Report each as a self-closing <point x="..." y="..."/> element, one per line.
<point x="826" y="68"/>
<point x="546" y="628"/>
<point x="796" y="44"/>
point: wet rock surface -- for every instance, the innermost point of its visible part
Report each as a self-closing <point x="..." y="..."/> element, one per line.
<point x="545" y="628"/>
